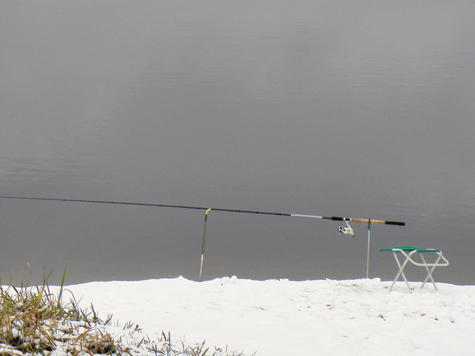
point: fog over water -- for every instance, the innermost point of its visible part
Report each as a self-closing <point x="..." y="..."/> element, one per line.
<point x="358" y="109"/>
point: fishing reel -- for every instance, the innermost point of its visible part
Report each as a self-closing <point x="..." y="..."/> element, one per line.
<point x="348" y="230"/>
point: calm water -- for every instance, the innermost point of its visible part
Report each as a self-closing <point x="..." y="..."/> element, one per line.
<point x="359" y="109"/>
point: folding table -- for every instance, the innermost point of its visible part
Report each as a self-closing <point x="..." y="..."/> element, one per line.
<point x="408" y="252"/>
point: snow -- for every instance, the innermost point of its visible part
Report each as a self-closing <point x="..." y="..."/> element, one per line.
<point x="282" y="317"/>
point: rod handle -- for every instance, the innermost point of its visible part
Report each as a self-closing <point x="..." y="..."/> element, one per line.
<point x="385" y="222"/>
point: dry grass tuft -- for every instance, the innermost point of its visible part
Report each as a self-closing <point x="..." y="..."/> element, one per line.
<point x="35" y="321"/>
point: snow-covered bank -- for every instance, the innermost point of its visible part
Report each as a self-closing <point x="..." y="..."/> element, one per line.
<point x="281" y="317"/>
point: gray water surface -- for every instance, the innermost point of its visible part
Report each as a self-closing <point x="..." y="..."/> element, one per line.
<point x="358" y="109"/>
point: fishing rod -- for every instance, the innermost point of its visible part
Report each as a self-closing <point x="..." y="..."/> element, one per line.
<point x="344" y="230"/>
<point x="333" y="218"/>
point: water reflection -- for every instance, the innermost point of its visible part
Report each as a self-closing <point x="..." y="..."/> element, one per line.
<point x="328" y="108"/>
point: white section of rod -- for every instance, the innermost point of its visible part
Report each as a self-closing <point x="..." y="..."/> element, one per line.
<point x="307" y="216"/>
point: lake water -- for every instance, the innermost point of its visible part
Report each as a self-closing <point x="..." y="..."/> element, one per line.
<point x="362" y="109"/>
